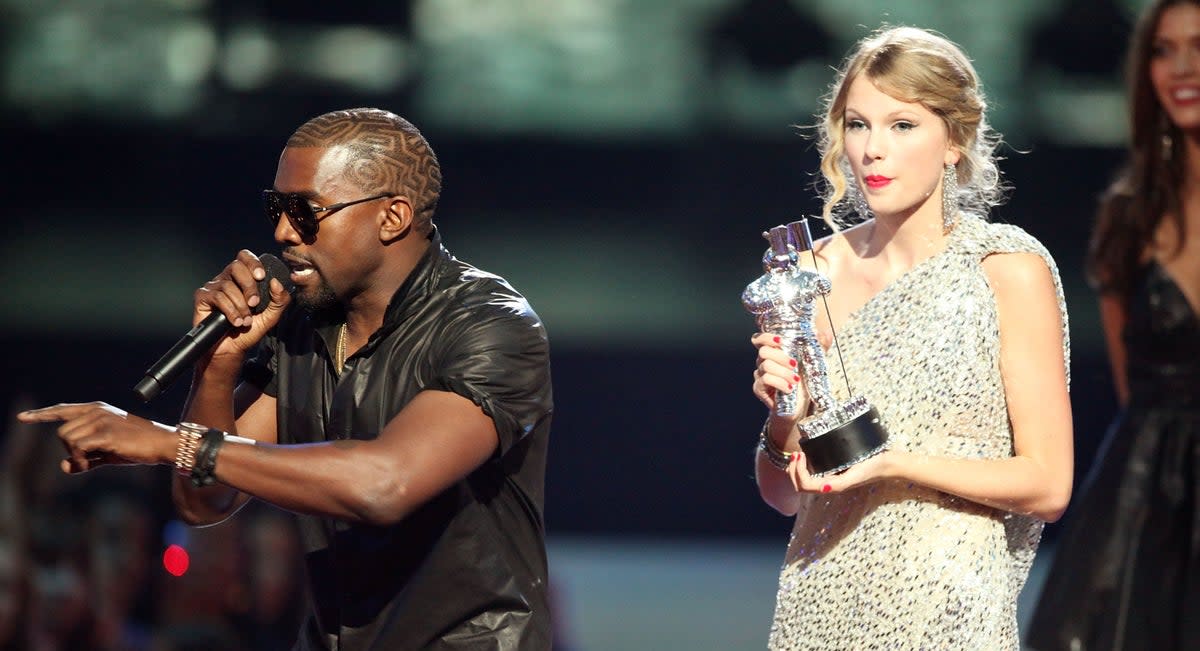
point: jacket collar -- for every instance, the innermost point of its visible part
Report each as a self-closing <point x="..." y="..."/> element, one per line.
<point x="422" y="281"/>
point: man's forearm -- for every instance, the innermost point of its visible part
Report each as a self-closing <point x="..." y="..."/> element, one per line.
<point x="210" y="402"/>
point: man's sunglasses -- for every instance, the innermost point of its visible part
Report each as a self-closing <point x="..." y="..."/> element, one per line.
<point x="300" y="211"/>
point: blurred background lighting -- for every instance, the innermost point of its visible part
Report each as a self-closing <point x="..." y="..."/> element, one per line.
<point x="175" y="560"/>
<point x="365" y="59"/>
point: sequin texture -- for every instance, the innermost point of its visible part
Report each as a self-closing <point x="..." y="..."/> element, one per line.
<point x="894" y="565"/>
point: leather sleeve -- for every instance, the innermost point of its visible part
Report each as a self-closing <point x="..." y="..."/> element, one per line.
<point x="500" y="360"/>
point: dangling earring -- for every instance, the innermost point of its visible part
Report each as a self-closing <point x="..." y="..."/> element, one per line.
<point x="858" y="202"/>
<point x="1166" y="142"/>
<point x="861" y="206"/>
<point x="949" y="198"/>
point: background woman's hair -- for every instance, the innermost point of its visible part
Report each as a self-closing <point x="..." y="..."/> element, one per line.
<point x="1147" y="188"/>
<point x="913" y="65"/>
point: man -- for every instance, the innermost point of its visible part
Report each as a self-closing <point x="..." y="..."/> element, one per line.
<point x="403" y="413"/>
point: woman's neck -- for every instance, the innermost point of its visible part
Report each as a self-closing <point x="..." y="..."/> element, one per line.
<point x="904" y="240"/>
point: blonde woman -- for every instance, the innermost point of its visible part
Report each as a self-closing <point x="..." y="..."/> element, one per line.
<point x="955" y="329"/>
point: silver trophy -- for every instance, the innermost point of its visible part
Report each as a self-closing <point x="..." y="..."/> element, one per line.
<point x="835" y="435"/>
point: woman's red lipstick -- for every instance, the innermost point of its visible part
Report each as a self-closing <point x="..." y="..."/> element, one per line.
<point x="875" y="181"/>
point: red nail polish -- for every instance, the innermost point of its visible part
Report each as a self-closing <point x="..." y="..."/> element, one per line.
<point x="826" y="488"/>
<point x="795" y="378"/>
<point x="777" y="339"/>
<point x="792" y="362"/>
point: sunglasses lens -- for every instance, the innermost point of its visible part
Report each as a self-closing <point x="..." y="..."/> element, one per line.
<point x="301" y="215"/>
<point x="272" y="208"/>
<point x="296" y="207"/>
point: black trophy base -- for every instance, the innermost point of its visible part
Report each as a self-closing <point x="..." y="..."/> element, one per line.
<point x="858" y="439"/>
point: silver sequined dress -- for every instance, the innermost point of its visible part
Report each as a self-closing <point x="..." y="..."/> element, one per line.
<point x="895" y="565"/>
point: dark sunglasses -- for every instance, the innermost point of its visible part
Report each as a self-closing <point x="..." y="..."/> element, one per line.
<point x="300" y="212"/>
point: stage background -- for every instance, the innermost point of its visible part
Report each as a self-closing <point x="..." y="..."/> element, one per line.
<point x="615" y="160"/>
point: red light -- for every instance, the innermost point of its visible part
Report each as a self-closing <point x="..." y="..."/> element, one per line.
<point x="175" y="560"/>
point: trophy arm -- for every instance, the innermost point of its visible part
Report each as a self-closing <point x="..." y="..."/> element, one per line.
<point x="813" y="369"/>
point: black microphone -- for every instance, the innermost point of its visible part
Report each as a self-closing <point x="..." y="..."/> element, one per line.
<point x="206" y="334"/>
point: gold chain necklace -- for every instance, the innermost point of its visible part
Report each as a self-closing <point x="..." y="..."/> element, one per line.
<point x="339" y="350"/>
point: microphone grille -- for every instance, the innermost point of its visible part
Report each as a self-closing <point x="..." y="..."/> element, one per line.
<point x="275" y="269"/>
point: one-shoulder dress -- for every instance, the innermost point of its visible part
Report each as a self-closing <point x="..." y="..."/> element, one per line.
<point x="894" y="565"/>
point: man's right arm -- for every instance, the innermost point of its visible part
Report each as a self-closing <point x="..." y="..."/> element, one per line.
<point x="250" y="414"/>
<point x="216" y="399"/>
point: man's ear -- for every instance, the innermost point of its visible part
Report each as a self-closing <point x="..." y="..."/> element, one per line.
<point x="397" y="219"/>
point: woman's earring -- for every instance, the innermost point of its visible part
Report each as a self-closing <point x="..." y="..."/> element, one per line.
<point x="949" y="198"/>
<point x="858" y="202"/>
<point x="861" y="206"/>
<point x="1166" y="141"/>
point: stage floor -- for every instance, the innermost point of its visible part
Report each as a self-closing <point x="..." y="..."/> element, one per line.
<point x="651" y="595"/>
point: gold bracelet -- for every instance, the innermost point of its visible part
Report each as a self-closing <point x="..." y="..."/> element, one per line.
<point x="189" y="443"/>
<point x="777" y="457"/>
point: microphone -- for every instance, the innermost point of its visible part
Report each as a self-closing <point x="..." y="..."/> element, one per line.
<point x="206" y="334"/>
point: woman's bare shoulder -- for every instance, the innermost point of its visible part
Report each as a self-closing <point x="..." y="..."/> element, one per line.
<point x="835" y="249"/>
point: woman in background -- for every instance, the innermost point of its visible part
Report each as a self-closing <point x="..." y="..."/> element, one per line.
<point x="1127" y="571"/>
<point x="954" y="329"/>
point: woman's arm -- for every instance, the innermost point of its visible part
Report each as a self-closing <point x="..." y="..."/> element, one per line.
<point x="1112" y="319"/>
<point x="1037" y="479"/>
<point x="774" y="485"/>
<point x="777" y="372"/>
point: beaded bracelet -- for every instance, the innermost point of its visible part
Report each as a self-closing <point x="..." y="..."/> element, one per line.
<point x="777" y="457"/>
<point x="189" y="444"/>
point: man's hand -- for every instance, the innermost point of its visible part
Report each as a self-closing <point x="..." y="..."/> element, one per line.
<point x="234" y="292"/>
<point x="96" y="434"/>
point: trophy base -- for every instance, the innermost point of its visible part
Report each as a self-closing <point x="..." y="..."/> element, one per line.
<point x="844" y="444"/>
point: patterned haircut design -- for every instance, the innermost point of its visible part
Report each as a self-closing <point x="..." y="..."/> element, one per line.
<point x="387" y="154"/>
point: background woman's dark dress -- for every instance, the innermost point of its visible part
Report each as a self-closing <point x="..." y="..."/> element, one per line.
<point x="1127" y="571"/>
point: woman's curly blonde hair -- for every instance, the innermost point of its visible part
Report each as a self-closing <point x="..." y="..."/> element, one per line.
<point x="912" y="65"/>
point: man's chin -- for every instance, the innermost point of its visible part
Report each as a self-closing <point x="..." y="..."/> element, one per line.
<point x="318" y="299"/>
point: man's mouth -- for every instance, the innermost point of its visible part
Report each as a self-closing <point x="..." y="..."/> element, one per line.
<point x="301" y="269"/>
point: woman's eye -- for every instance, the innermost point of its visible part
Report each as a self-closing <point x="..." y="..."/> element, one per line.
<point x="904" y="126"/>
<point x="855" y="125"/>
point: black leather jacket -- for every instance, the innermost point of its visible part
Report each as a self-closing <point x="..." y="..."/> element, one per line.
<point x="467" y="570"/>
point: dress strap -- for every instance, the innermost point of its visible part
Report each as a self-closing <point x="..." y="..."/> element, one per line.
<point x="977" y="238"/>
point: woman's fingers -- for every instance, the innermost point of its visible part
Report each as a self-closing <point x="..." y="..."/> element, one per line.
<point x="798" y="471"/>
<point x="766" y="339"/>
<point x="765" y="393"/>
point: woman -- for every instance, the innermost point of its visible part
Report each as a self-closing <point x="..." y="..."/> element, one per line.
<point x="1127" y="573"/>
<point x="955" y="330"/>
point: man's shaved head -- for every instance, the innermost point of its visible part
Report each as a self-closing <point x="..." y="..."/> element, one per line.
<point x="387" y="154"/>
